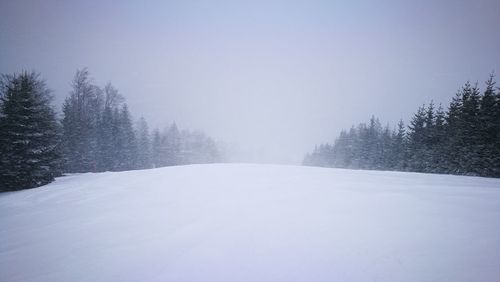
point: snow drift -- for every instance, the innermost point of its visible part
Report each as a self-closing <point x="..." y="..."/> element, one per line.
<point x="229" y="222"/>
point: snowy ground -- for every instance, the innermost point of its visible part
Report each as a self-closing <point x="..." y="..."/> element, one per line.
<point x="232" y="222"/>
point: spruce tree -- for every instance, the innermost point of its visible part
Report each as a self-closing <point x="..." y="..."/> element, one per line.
<point x="157" y="149"/>
<point x="488" y="131"/>
<point x="454" y="132"/>
<point x="385" y="142"/>
<point x="429" y="140"/>
<point x="106" y="149"/>
<point x="29" y="135"/>
<point x="439" y="158"/>
<point x="144" y="145"/>
<point x="125" y="142"/>
<point x="173" y="146"/>
<point x="416" y="140"/>
<point x="472" y="146"/>
<point x="399" y="147"/>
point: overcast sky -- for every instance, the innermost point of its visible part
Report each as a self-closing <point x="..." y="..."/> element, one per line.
<point x="270" y="77"/>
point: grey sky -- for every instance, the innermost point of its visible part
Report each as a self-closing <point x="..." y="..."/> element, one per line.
<point x="271" y="77"/>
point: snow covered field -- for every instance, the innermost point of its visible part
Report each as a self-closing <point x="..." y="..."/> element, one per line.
<point x="239" y="222"/>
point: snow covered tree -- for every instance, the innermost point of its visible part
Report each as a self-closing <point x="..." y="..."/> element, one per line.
<point x="29" y="133"/>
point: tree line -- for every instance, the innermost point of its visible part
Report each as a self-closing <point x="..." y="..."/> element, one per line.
<point x="96" y="133"/>
<point x="464" y="139"/>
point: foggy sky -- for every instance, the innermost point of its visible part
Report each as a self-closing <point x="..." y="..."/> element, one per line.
<point x="272" y="78"/>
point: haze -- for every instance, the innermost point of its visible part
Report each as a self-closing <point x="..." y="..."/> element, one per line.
<point x="270" y="78"/>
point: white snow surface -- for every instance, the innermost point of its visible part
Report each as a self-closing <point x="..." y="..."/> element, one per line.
<point x="243" y="222"/>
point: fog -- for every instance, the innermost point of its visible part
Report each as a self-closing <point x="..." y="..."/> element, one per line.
<point x="268" y="78"/>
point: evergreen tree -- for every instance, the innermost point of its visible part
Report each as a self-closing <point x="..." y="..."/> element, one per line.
<point x="144" y="145"/>
<point x="488" y="131"/>
<point x="157" y="149"/>
<point x="439" y="157"/>
<point x="429" y="140"/>
<point x="173" y="146"/>
<point x="464" y="140"/>
<point x="454" y="132"/>
<point x="125" y="141"/>
<point x="363" y="153"/>
<point x="373" y="143"/>
<point x="341" y="150"/>
<point x="471" y="141"/>
<point x="385" y="157"/>
<point x="399" y="148"/>
<point x="29" y="135"/>
<point x="416" y="140"/>
<point x="353" y="155"/>
<point x="106" y="146"/>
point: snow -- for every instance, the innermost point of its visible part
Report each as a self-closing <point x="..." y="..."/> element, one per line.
<point x="242" y="222"/>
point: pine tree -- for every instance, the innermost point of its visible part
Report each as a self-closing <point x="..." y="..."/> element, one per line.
<point x="453" y="135"/>
<point x="363" y="152"/>
<point x="29" y="135"/>
<point x="157" y="149"/>
<point x="106" y="149"/>
<point x="416" y="140"/>
<point x="173" y="146"/>
<point x="470" y="148"/>
<point x="385" y="142"/>
<point x="373" y="143"/>
<point x="341" y="151"/>
<point x="429" y="140"/>
<point x="353" y="148"/>
<point x="144" y="145"/>
<point x="487" y="131"/>
<point x="399" y="147"/>
<point x="125" y="141"/>
<point x="496" y="142"/>
<point x="464" y="140"/>
<point x="439" y="158"/>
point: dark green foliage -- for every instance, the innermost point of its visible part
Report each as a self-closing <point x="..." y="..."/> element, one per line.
<point x="96" y="134"/>
<point x="463" y="140"/>
<point x="29" y="133"/>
